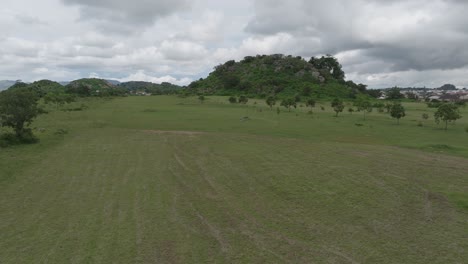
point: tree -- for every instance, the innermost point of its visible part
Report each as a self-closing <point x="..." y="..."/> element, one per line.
<point x="310" y="102"/>
<point x="201" y="98"/>
<point x="271" y="101"/>
<point x="394" y="94"/>
<point x="447" y="112"/>
<point x="337" y="105"/>
<point x="18" y="108"/>
<point x="397" y="111"/>
<point x="243" y="99"/>
<point x="232" y="100"/>
<point x="329" y="64"/>
<point x="363" y="104"/>
<point x="350" y="110"/>
<point x="288" y="103"/>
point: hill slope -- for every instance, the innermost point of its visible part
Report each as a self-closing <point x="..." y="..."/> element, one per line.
<point x="280" y="75"/>
<point x="94" y="87"/>
<point x="5" y="84"/>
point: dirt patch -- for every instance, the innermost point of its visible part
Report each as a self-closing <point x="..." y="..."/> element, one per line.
<point x="174" y="132"/>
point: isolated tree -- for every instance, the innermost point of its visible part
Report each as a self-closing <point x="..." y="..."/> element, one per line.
<point x="201" y="98"/>
<point x="288" y="103"/>
<point x="310" y="102"/>
<point x="397" y="111"/>
<point x="337" y="105"/>
<point x="243" y="99"/>
<point x="363" y="104"/>
<point x="447" y="112"/>
<point x="271" y="101"/>
<point x="18" y="108"/>
<point x="232" y="100"/>
<point x="350" y="110"/>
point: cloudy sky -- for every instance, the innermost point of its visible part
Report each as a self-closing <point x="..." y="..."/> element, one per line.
<point x="381" y="43"/>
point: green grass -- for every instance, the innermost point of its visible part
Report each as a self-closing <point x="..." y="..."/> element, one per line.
<point x="168" y="180"/>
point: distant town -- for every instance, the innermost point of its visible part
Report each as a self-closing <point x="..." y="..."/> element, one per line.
<point x="447" y="93"/>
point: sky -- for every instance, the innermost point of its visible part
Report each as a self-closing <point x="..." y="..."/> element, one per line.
<point x="381" y="43"/>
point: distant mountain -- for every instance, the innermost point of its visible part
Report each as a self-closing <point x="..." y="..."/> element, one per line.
<point x="94" y="87"/>
<point x="5" y="84"/>
<point x="114" y="82"/>
<point x="278" y="75"/>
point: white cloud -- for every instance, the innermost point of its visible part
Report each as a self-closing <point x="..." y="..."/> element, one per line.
<point x="142" y="76"/>
<point x="179" y="50"/>
<point x="378" y="42"/>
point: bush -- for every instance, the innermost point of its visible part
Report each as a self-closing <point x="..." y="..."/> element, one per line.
<point x="9" y="139"/>
<point x="232" y="100"/>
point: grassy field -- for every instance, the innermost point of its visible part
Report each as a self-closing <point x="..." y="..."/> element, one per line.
<point x="169" y="180"/>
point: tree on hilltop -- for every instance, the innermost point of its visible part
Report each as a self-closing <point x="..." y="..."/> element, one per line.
<point x="329" y="64"/>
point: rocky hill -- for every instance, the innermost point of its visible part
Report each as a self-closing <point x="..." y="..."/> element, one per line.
<point x="278" y="75"/>
<point x="94" y="87"/>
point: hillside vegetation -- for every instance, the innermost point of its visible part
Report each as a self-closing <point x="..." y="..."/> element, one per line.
<point x="152" y="88"/>
<point x="279" y="75"/>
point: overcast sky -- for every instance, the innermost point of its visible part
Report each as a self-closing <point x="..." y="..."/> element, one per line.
<point x="380" y="43"/>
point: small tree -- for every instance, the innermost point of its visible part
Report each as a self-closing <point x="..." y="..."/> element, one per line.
<point x="310" y="102"/>
<point x="363" y="104"/>
<point x="201" y="98"/>
<point x="337" y="105"/>
<point x="397" y="111"/>
<point x="243" y="99"/>
<point x="447" y="113"/>
<point x="18" y="108"/>
<point x="232" y="100"/>
<point x="288" y="103"/>
<point x="350" y="110"/>
<point x="271" y="101"/>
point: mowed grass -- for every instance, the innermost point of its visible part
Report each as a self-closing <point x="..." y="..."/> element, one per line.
<point x="169" y="180"/>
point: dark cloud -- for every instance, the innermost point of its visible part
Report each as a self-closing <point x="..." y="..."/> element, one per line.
<point x="379" y="42"/>
<point x="406" y="35"/>
<point x="122" y="16"/>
